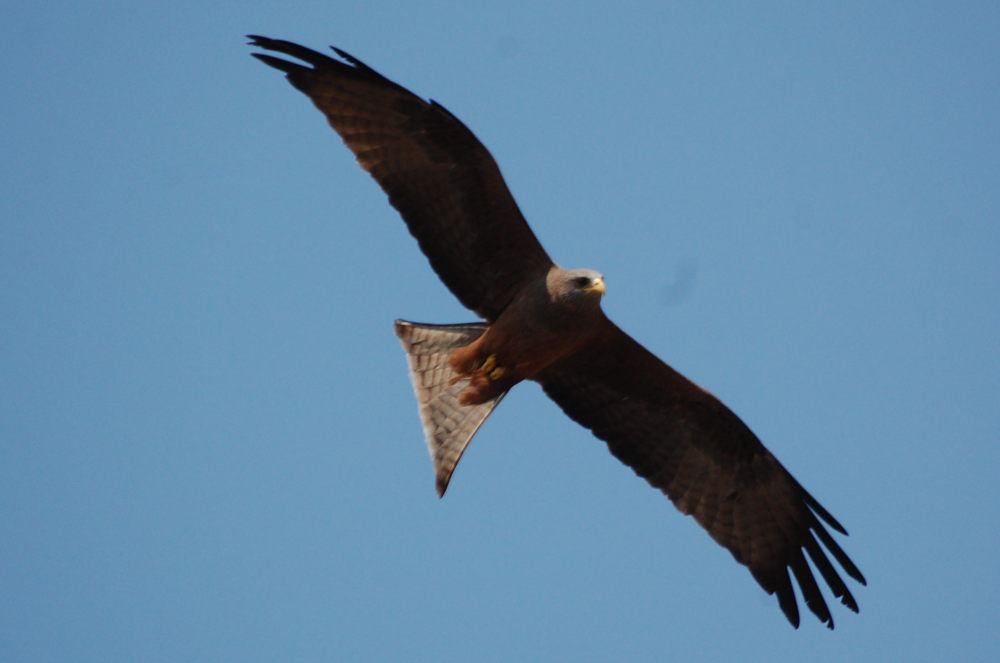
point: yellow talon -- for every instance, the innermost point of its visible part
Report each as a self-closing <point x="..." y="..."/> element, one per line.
<point x="490" y="368"/>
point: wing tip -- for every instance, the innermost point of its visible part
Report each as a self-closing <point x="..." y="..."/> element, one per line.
<point x="819" y="510"/>
<point x="319" y="61"/>
<point x="290" y="48"/>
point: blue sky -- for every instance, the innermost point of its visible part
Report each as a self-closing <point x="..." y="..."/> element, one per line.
<point x="208" y="445"/>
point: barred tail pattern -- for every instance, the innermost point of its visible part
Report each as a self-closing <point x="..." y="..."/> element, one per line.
<point x="448" y="426"/>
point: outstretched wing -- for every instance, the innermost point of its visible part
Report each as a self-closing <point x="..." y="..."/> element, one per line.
<point x="685" y="442"/>
<point x="442" y="180"/>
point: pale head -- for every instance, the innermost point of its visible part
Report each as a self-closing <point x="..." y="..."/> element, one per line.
<point x="578" y="288"/>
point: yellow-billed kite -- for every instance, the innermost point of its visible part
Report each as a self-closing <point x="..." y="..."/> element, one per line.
<point x="544" y="323"/>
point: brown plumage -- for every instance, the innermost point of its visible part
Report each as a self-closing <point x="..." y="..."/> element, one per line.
<point x="545" y="323"/>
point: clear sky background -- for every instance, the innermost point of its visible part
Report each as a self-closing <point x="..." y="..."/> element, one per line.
<point x="209" y="450"/>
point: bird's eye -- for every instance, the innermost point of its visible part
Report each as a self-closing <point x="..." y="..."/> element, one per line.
<point x="582" y="281"/>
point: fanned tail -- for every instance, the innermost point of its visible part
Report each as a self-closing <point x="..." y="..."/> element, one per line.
<point x="448" y="426"/>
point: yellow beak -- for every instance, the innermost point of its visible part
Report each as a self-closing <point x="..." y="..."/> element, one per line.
<point x="597" y="286"/>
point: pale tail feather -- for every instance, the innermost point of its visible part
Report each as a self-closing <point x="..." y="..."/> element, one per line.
<point x="448" y="426"/>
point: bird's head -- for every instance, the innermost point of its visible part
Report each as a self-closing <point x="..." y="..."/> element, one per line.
<point x="578" y="288"/>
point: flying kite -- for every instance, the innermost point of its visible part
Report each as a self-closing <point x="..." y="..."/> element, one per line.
<point x="544" y="323"/>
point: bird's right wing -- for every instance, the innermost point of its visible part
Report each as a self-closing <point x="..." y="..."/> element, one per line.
<point x="443" y="181"/>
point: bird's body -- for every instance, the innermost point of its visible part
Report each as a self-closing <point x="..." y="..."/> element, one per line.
<point x="549" y="319"/>
<point x="544" y="323"/>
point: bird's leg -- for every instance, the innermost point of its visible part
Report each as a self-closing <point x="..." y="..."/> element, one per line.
<point x="490" y="368"/>
<point x="483" y="371"/>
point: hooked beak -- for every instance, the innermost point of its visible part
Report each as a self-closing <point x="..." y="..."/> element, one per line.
<point x="597" y="285"/>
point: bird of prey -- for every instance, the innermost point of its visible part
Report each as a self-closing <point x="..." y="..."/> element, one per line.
<point x="544" y="323"/>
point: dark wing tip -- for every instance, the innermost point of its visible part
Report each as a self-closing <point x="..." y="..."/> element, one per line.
<point x="829" y="573"/>
<point x="300" y="75"/>
<point x="776" y="574"/>
<point x="839" y="554"/>
<point x="779" y="584"/>
<point x="316" y="59"/>
<point x="814" y="504"/>
<point x="811" y="593"/>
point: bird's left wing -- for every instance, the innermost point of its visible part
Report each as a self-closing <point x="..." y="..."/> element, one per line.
<point x="443" y="181"/>
<point x="685" y="442"/>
